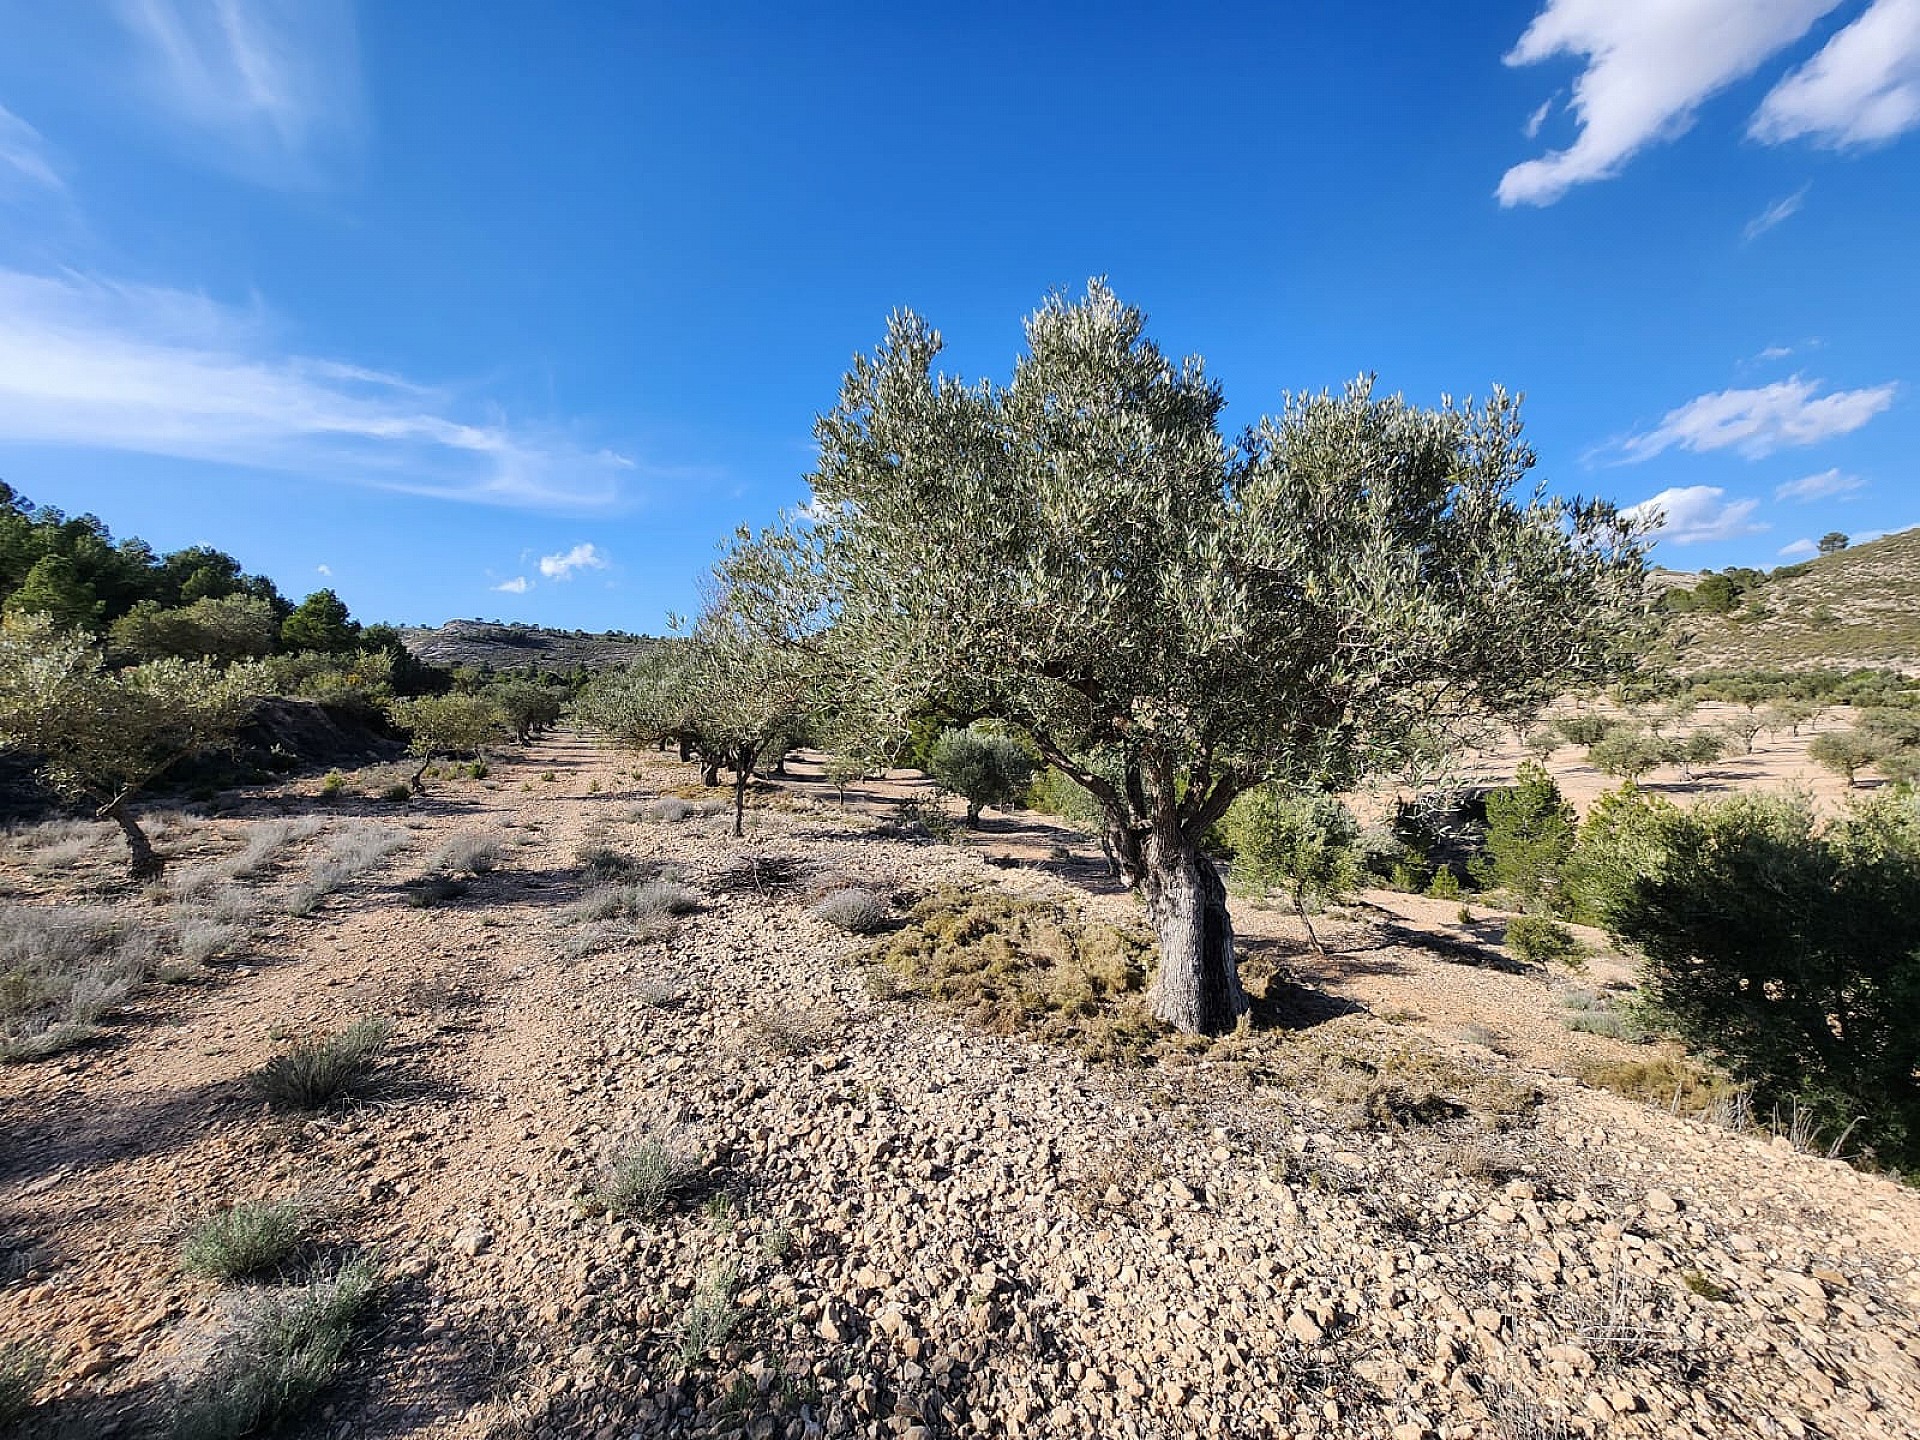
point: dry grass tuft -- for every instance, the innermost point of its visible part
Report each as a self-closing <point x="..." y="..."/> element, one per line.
<point x="248" y="1239"/>
<point x="474" y="853"/>
<point x="1668" y="1080"/>
<point x="62" y="970"/>
<point x="637" y="900"/>
<point x="321" y="1071"/>
<point x="858" y="912"/>
<point x="1013" y="965"/>
<point x="22" y="1368"/>
<point x="644" y="1180"/>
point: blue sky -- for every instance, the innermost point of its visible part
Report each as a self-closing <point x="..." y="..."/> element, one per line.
<point x="481" y="310"/>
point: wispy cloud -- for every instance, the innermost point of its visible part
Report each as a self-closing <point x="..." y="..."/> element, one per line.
<point x="323" y="570"/>
<point x="1863" y="86"/>
<point x="1758" y="421"/>
<point x="1649" y="66"/>
<point x="1538" y="118"/>
<point x="91" y="363"/>
<point x="1781" y="209"/>
<point x="24" y="158"/>
<point x="580" y="557"/>
<point x="1823" y="486"/>
<point x="1694" y="513"/>
<point x="1775" y="352"/>
<point x="518" y="585"/>
<point x="274" y="84"/>
<point x="1798" y="548"/>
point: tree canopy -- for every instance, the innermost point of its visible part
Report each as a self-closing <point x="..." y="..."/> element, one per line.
<point x="1173" y="618"/>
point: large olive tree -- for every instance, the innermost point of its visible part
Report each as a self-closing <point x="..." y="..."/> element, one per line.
<point x="1174" y="618"/>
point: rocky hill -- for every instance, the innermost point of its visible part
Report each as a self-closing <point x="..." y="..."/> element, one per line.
<point x="518" y="647"/>
<point x="1860" y="607"/>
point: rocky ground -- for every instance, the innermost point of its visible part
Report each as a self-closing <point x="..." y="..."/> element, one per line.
<point x="901" y="1226"/>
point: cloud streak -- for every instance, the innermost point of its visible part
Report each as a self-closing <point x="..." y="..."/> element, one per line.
<point x="1756" y="422"/>
<point x="90" y="363"/>
<point x="24" y="159"/>
<point x="1691" y="514"/>
<point x="1823" y="486"/>
<point x="1862" y="88"/>
<point x="1782" y="209"/>
<point x="275" y="85"/>
<point x="1649" y="65"/>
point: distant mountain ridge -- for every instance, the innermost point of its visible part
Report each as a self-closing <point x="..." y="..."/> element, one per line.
<point x="520" y="647"/>
<point x="1859" y="607"/>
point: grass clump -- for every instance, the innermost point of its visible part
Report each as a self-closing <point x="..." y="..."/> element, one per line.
<point x="287" y="1345"/>
<point x="711" y="1316"/>
<point x="426" y="892"/>
<point x="1669" y="1080"/>
<point x="635" y="901"/>
<point x="1013" y="965"/>
<point x="22" y="1368"/>
<point x="62" y="970"/>
<point x="644" y="1181"/>
<point x="248" y="1239"/>
<point x="325" y="1069"/>
<point x="667" y="810"/>
<point x="334" y="786"/>
<point x="200" y="938"/>
<point x="350" y="854"/>
<point x="474" y="853"/>
<point x="604" y="863"/>
<point x="857" y="911"/>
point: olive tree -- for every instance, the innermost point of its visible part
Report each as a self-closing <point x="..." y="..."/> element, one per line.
<point x="1173" y="618"/>
<point x="439" y="725"/>
<point x="104" y="735"/>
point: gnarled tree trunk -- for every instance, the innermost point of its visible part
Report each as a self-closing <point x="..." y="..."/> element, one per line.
<point x="1198" y="988"/>
<point x="145" y="863"/>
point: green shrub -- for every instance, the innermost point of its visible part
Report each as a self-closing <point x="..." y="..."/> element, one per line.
<point x="22" y="1368"/>
<point x="1445" y="885"/>
<point x="1584" y="730"/>
<point x="398" y="794"/>
<point x="334" y="786"/>
<point x="1530" y="834"/>
<point x="246" y="1240"/>
<point x="984" y="768"/>
<point x="315" y="1073"/>
<point x="1789" y="952"/>
<point x="1536" y="940"/>
<point x="1305" y="845"/>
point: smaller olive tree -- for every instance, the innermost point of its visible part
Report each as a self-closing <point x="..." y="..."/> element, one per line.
<point x="448" y="725"/>
<point x="983" y="768"/>
<point x="1303" y="844"/>
<point x="1628" y="754"/>
<point x="104" y="735"/>
<point x="1847" y="752"/>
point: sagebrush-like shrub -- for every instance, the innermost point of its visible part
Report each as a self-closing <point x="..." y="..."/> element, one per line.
<point x="643" y="1181"/>
<point x="247" y="1239"/>
<point x="858" y="912"/>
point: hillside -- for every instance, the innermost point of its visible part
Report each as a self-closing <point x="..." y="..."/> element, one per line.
<point x="517" y="647"/>
<point x="1860" y="607"/>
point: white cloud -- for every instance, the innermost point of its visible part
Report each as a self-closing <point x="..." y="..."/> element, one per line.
<point x="1649" y="65"/>
<point x="1694" y="513"/>
<point x="1775" y="352"/>
<point x="580" y="557"/>
<point x="1758" y="421"/>
<point x="1538" y="117"/>
<point x="519" y="585"/>
<point x="1798" y="548"/>
<point x="91" y="363"/>
<point x="323" y="569"/>
<point x="275" y="84"/>
<point x="1866" y="535"/>
<point x="23" y="155"/>
<point x="1818" y="487"/>
<point x="1863" y="86"/>
<point x="1781" y="209"/>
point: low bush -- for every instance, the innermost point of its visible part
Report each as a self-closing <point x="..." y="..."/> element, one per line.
<point x="1536" y="940"/>
<point x="636" y="900"/>
<point x="858" y="912"/>
<point x="427" y="892"/>
<point x="248" y="1239"/>
<point x="62" y="970"/>
<point x="285" y="1347"/>
<point x="711" y="1315"/>
<point x="475" y="852"/>
<point x="22" y="1368"/>
<point x="667" y="809"/>
<point x="326" y="1069"/>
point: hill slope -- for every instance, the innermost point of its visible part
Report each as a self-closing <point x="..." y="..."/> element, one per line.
<point x="1860" y="607"/>
<point x="518" y="647"/>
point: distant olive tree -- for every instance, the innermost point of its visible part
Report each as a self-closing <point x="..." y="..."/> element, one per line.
<point x="1628" y="754"/>
<point x="448" y="725"/>
<point x="1847" y="752"/>
<point x="983" y="768"/>
<point x="104" y="735"/>
<point x="1173" y="618"/>
<point x="1307" y="846"/>
<point x="1833" y="542"/>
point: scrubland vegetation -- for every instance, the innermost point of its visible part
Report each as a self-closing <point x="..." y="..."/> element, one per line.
<point x="798" y="1050"/>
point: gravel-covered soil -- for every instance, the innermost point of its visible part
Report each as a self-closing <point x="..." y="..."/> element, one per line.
<point x="893" y="1224"/>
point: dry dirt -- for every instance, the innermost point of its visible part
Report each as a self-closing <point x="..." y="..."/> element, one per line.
<point x="932" y="1231"/>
